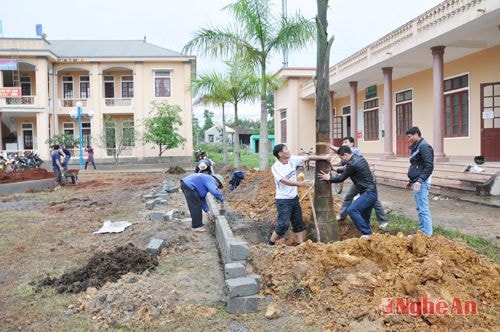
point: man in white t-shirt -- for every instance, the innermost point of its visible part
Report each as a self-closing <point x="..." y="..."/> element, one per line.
<point x="287" y="200"/>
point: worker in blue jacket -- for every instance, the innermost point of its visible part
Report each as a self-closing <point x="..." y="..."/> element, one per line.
<point x="196" y="188"/>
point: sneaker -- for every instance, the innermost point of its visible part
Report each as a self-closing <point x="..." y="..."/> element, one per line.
<point x="199" y="229"/>
<point x="383" y="225"/>
<point x="340" y="218"/>
<point x="365" y="236"/>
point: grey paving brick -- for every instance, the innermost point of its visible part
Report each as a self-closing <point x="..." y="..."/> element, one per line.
<point x="234" y="270"/>
<point x="155" y="246"/>
<point x="241" y="287"/>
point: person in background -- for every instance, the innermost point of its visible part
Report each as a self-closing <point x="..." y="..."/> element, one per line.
<point x="196" y="188"/>
<point x="287" y="201"/>
<point x="57" y="167"/>
<point x="90" y="156"/>
<point x="353" y="191"/>
<point x="357" y="168"/>
<point x="419" y="175"/>
<point x="66" y="156"/>
<point x="204" y="165"/>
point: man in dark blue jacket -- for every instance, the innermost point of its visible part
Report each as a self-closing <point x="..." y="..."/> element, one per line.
<point x="357" y="168"/>
<point x="419" y="175"/>
<point x="196" y="188"/>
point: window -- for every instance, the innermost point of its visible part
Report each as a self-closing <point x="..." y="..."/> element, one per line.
<point x="162" y="84"/>
<point x="110" y="137"/>
<point x="283" y="126"/>
<point x="84" y="87"/>
<point x="27" y="130"/>
<point x="346" y="110"/>
<point x="25" y="86"/>
<point x="404" y="96"/>
<point x="128" y="133"/>
<point x="68" y="129"/>
<point x="109" y="86"/>
<point x="127" y="87"/>
<point x="456" y="106"/>
<point x="86" y="134"/>
<point x="371" y="120"/>
<point x="211" y="138"/>
<point x="68" y="88"/>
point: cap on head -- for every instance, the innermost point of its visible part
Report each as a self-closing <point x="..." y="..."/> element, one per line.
<point x="202" y="166"/>
<point x="219" y="178"/>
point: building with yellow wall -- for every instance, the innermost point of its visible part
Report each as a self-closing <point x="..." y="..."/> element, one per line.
<point x="115" y="81"/>
<point x="440" y="72"/>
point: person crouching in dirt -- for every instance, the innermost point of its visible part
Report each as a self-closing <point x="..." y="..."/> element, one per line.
<point x="57" y="167"/>
<point x="357" y="168"/>
<point x="66" y="156"/>
<point x="195" y="188"/>
<point x="287" y="200"/>
<point x="204" y="166"/>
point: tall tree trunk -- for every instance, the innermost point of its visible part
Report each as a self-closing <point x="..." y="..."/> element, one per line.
<point x="237" y="154"/>
<point x="224" y="138"/>
<point x="323" y="201"/>
<point x="263" y="140"/>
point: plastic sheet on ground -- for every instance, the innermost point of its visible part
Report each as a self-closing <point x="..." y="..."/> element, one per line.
<point x="113" y="227"/>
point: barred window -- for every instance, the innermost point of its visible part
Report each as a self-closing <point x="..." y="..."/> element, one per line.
<point x="162" y="84"/>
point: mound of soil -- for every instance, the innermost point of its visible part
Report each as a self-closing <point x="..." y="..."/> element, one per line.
<point x="101" y="268"/>
<point x="25" y="175"/>
<point x="343" y="285"/>
<point x="176" y="170"/>
<point x="259" y="185"/>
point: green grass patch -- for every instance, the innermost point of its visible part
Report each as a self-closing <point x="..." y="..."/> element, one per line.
<point x="398" y="223"/>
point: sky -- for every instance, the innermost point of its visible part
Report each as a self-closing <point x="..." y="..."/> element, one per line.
<point x="172" y="23"/>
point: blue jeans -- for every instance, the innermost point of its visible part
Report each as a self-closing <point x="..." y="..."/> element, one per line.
<point x="58" y="174"/>
<point x="65" y="163"/>
<point x="349" y="197"/>
<point x="289" y="211"/>
<point x="424" y="213"/>
<point x="361" y="209"/>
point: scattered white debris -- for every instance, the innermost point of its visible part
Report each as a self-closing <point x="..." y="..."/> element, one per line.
<point x="113" y="227"/>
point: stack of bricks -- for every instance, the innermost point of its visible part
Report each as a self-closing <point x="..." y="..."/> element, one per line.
<point x="241" y="289"/>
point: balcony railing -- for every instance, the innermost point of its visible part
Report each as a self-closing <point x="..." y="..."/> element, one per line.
<point x="113" y="102"/>
<point x="24" y="100"/>
<point x="72" y="102"/>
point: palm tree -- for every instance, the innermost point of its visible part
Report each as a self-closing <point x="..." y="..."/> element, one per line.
<point x="329" y="228"/>
<point x="213" y="89"/>
<point x="256" y="34"/>
<point x="243" y="86"/>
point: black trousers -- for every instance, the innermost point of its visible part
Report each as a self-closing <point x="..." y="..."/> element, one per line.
<point x="194" y="205"/>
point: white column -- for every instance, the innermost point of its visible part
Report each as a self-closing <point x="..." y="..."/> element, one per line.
<point x="96" y="123"/>
<point x="42" y="83"/>
<point x="42" y="100"/>
<point x="388" y="152"/>
<point x="140" y="112"/>
<point x="354" y="110"/>
<point x="42" y="134"/>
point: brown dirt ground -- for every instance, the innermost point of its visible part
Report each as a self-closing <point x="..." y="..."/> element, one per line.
<point x="316" y="287"/>
<point x="25" y="175"/>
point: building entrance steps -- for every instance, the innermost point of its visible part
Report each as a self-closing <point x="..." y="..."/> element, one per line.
<point x="448" y="177"/>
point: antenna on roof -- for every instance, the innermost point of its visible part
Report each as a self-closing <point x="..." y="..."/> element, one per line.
<point x="144" y="38"/>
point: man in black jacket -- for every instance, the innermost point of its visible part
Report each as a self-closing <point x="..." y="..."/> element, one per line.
<point x="357" y="168"/>
<point x="419" y="175"/>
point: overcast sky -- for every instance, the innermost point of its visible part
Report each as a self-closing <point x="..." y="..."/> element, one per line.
<point x="171" y="23"/>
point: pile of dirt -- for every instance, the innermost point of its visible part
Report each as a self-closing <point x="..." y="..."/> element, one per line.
<point x="101" y="268"/>
<point x="176" y="170"/>
<point x="25" y="175"/>
<point x="345" y="285"/>
<point x="259" y="185"/>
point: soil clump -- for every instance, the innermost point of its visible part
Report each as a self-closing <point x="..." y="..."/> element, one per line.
<point x="25" y="175"/>
<point x="345" y="283"/>
<point x="103" y="267"/>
